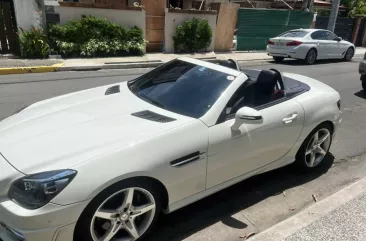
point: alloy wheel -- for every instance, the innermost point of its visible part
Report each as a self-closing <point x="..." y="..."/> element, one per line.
<point x="318" y="147"/>
<point x="349" y="54"/>
<point x="124" y="216"/>
<point x="311" y="57"/>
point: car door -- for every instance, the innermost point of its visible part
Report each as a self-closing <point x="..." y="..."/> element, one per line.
<point x="335" y="46"/>
<point x="232" y="153"/>
<point x="323" y="45"/>
<point x="340" y="45"/>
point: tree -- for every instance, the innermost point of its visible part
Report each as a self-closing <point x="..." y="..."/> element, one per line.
<point x="355" y="7"/>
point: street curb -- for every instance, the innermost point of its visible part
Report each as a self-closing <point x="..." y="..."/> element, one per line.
<point x="110" y="66"/>
<point x="311" y="214"/>
<point x="136" y="65"/>
<point x="32" y="69"/>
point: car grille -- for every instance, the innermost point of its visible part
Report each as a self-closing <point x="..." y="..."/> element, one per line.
<point x="149" y="115"/>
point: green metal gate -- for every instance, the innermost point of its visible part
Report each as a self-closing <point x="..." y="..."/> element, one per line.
<point x="256" y="26"/>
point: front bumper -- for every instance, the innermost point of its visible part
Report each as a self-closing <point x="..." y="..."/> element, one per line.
<point x="336" y="122"/>
<point x="49" y="223"/>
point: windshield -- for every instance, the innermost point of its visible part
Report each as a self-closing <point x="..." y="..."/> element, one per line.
<point x="294" y="34"/>
<point x="181" y="87"/>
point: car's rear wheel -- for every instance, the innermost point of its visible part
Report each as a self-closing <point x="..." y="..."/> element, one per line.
<point x="315" y="148"/>
<point x="278" y="59"/>
<point x="311" y="56"/>
<point x="125" y="211"/>
<point x="349" y="54"/>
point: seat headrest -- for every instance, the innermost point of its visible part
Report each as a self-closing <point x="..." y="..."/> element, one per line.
<point x="266" y="81"/>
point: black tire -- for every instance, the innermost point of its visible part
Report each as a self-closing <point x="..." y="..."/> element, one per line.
<point x="349" y="54"/>
<point x="300" y="163"/>
<point x="364" y="85"/>
<point x="278" y="59"/>
<point x="82" y="229"/>
<point x="311" y="57"/>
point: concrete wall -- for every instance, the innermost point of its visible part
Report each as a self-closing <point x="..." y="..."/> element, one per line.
<point x="30" y="13"/>
<point x="173" y="19"/>
<point x="125" y="18"/>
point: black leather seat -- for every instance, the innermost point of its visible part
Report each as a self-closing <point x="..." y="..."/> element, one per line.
<point x="256" y="92"/>
<point x="264" y="87"/>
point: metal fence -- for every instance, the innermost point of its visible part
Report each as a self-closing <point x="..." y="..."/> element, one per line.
<point x="9" y="42"/>
<point x="256" y="26"/>
<point x="343" y="28"/>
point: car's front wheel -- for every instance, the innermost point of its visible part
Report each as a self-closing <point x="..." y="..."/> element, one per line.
<point x="349" y="54"/>
<point x="315" y="148"/>
<point x="311" y="56"/>
<point x="125" y="211"/>
<point x="278" y="59"/>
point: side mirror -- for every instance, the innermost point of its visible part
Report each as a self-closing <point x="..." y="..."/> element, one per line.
<point x="339" y="39"/>
<point x="247" y="115"/>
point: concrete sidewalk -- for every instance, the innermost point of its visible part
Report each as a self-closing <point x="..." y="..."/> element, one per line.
<point x="154" y="60"/>
<point x="340" y="217"/>
<point x="16" y="66"/>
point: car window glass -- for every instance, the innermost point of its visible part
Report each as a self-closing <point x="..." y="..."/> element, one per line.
<point x="182" y="87"/>
<point x="293" y="34"/>
<point x="330" y="36"/>
<point x="318" y="35"/>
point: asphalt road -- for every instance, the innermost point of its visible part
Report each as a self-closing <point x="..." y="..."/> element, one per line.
<point x="252" y="205"/>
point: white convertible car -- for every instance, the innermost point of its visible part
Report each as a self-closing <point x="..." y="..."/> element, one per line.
<point x="103" y="163"/>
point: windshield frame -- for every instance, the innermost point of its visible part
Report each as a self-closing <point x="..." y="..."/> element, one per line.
<point x="218" y="70"/>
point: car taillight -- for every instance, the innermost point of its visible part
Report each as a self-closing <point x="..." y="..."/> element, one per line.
<point x="294" y="43"/>
<point x="339" y="104"/>
<point x="270" y="42"/>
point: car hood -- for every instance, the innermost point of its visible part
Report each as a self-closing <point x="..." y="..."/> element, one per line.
<point x="64" y="131"/>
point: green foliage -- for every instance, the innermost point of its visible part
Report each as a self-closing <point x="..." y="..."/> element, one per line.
<point x="356" y="7"/>
<point x="34" y="43"/>
<point x="91" y="37"/>
<point x="192" y="35"/>
<point x="322" y="12"/>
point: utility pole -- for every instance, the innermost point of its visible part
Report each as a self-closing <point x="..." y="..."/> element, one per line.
<point x="333" y="15"/>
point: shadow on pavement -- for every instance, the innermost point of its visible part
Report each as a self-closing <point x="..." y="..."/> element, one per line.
<point x="295" y="62"/>
<point x="221" y="206"/>
<point x="361" y="94"/>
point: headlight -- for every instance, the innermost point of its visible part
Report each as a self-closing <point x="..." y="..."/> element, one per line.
<point x="35" y="191"/>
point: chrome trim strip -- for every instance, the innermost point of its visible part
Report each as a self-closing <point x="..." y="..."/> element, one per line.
<point x="195" y="158"/>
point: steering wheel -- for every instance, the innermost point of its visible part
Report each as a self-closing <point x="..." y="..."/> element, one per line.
<point x="280" y="78"/>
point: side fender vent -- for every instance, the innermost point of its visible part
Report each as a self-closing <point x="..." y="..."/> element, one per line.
<point x="152" y="116"/>
<point x="112" y="90"/>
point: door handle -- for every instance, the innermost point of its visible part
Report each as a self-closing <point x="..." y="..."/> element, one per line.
<point x="288" y="120"/>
